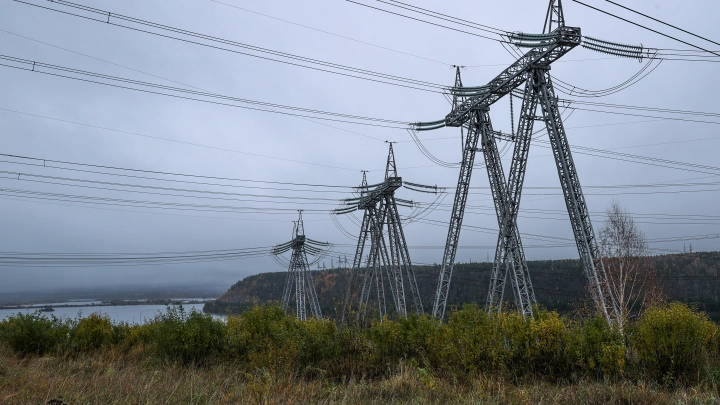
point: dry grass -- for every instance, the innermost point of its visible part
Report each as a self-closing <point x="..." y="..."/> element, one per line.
<point x="111" y="378"/>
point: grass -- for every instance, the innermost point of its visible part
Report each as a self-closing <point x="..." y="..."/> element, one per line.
<point x="113" y="378"/>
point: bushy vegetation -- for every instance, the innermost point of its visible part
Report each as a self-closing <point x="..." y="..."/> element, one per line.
<point x="671" y="345"/>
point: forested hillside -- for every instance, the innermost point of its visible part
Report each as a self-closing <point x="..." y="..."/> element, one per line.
<point x="693" y="278"/>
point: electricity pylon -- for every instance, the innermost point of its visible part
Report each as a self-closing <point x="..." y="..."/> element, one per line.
<point x="507" y="261"/>
<point x="471" y="107"/>
<point x="381" y="219"/>
<point x="299" y="276"/>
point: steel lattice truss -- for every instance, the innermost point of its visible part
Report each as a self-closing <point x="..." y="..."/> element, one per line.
<point x="471" y="106"/>
<point x="388" y="261"/>
<point x="299" y="276"/>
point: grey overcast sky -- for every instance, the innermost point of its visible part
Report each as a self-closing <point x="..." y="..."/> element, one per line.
<point x="54" y="118"/>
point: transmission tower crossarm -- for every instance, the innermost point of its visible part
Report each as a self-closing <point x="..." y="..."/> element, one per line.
<point x="564" y="40"/>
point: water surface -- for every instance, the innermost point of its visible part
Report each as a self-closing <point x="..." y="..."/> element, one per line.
<point x="118" y="313"/>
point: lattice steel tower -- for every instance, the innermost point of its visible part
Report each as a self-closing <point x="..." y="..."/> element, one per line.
<point x="387" y="255"/>
<point x="299" y="276"/>
<point x="471" y="106"/>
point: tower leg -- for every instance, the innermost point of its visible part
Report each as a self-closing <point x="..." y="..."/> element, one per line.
<point x="383" y="263"/>
<point x="510" y="256"/>
<point x="575" y="202"/>
<point x="289" y="284"/>
<point x="456" y="218"/>
<point x="299" y="287"/>
<point x="395" y="265"/>
<point x="368" y="278"/>
<point x="405" y="257"/>
<point x="354" y="273"/>
<point x="310" y="288"/>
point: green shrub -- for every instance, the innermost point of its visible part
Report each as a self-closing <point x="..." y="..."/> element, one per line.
<point x="122" y="333"/>
<point x="475" y="341"/>
<point x="189" y="337"/>
<point x="674" y="343"/>
<point x="91" y="332"/>
<point x="33" y="333"/>
<point x="264" y="337"/>
<point x="594" y="347"/>
<point x="670" y="344"/>
<point x="545" y="352"/>
<point x="404" y="338"/>
<point x="318" y="345"/>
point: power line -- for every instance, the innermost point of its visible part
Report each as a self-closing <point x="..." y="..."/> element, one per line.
<point x="443" y="17"/>
<point x="347" y="188"/>
<point x="22" y="259"/>
<point x="639" y="159"/>
<point x="203" y="193"/>
<point x="363" y="74"/>
<point x="423" y="21"/>
<point x="641" y="108"/>
<point x="223" y="218"/>
<point x="642" y="26"/>
<point x="15" y="174"/>
<point x="160" y="77"/>
<point x="332" y="33"/>
<point x="148" y="204"/>
<point x="662" y="22"/>
<point x="34" y="67"/>
<point x="645" y="116"/>
<point x="95" y="58"/>
<point x="706" y="220"/>
<point x="176" y="141"/>
<point x="156" y="172"/>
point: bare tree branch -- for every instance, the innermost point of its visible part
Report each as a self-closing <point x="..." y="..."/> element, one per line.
<point x="626" y="258"/>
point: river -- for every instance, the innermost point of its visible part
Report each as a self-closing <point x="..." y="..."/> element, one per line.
<point x="132" y="314"/>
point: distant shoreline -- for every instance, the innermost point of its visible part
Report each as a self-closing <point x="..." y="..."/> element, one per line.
<point x="112" y="303"/>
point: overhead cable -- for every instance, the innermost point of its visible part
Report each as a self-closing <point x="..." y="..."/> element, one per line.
<point x="201" y="96"/>
<point x="164" y="173"/>
<point x="424" y="21"/>
<point x="332" y="33"/>
<point x="644" y="27"/>
<point x="110" y="18"/>
<point x="663" y="22"/>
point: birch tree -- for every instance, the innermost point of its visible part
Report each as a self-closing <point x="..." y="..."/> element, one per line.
<point x="628" y="265"/>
